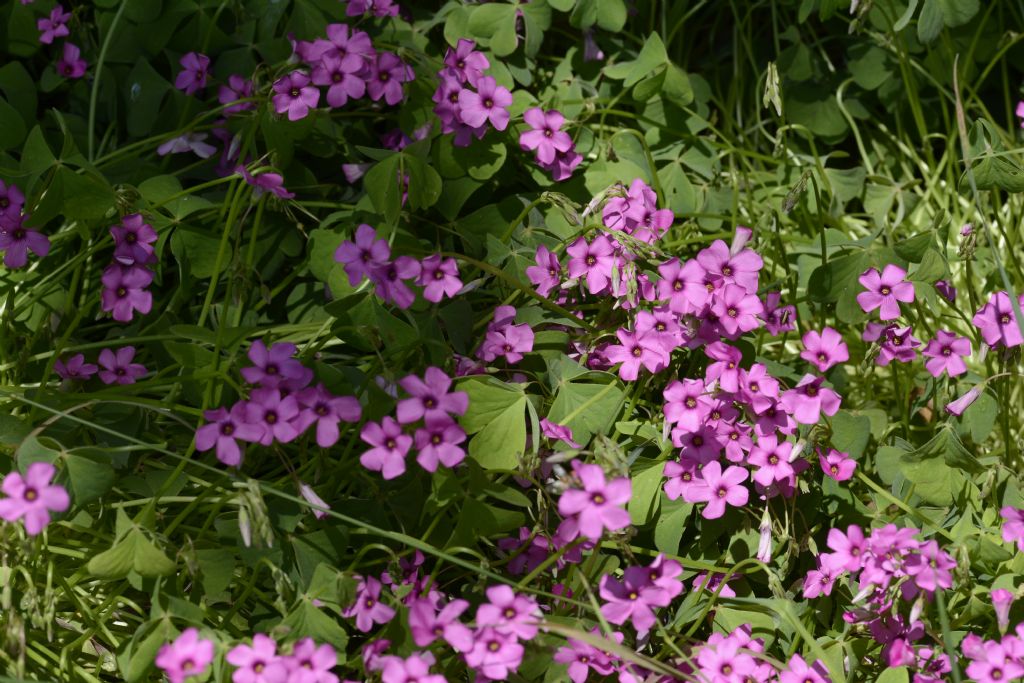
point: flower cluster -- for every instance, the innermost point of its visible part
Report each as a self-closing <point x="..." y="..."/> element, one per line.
<point x="639" y="592"/>
<point x="431" y="402"/>
<point x="281" y="406"/>
<point x="726" y="658"/>
<point x="992" y="661"/>
<point x="505" y="338"/>
<point x="467" y="100"/>
<point x="53" y="26"/>
<point x="189" y="656"/>
<point x="115" y="367"/>
<point x="888" y="564"/>
<point x="126" y="278"/>
<point x="553" y="148"/>
<point x="16" y="240"/>
<point x="594" y="507"/>
<point x="369" y="257"/>
<point x="32" y="497"/>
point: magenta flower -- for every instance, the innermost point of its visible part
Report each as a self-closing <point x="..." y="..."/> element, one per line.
<point x="343" y="75"/>
<point x="717" y="489"/>
<point x="897" y="343"/>
<point x="257" y="663"/>
<point x="53" y="26"/>
<point x="507" y="612"/>
<point x="596" y="507"/>
<point x="390" y="446"/>
<point x="124" y="291"/>
<point x="189" y="655"/>
<point x="387" y="74"/>
<point x="31" y="498"/>
<point x="1013" y="525"/>
<point x="133" y="240"/>
<point x="930" y="566"/>
<point x="430" y="397"/>
<point x="11" y="203"/>
<point x="726" y="368"/>
<point x="232" y="93"/>
<point x="885" y="290"/>
<point x="368" y="609"/>
<point x="438" y="442"/>
<point x="961" y="404"/>
<point x="311" y="663"/>
<point x="75" y="368"/>
<point x="633" y="598"/>
<point x="223" y="430"/>
<point x="325" y="410"/>
<point x="427" y="624"/>
<point x="994" y="665"/>
<point x="824" y="350"/>
<point x="594" y="261"/>
<point x="778" y="319"/>
<point x="819" y="582"/>
<point x="264" y="182"/>
<point x="563" y="165"/>
<point x="465" y="63"/>
<point x="16" y="241"/>
<point x="494" y="654"/>
<point x="71" y="64"/>
<point x="547" y="274"/>
<point x="275" y="367"/>
<point x="118" y="366"/>
<point x="947" y="290"/>
<point x="195" y="69"/>
<point x="808" y="399"/>
<point x="737" y="309"/>
<point x="490" y="103"/>
<point x="998" y="322"/>
<point x="1002" y="599"/>
<point x="439" y="278"/>
<point x="837" y="465"/>
<point x="635" y="350"/>
<point x="364" y="255"/>
<point x="582" y="657"/>
<point x="188" y="142"/>
<point x="413" y="669"/>
<point x="505" y="339"/>
<point x="557" y="432"/>
<point x="295" y="95"/>
<point x="800" y="672"/>
<point x="758" y="389"/>
<point x="389" y="280"/>
<point x="773" y="460"/>
<point x="946" y="353"/>
<point x="545" y="136"/>
<point x="277" y="415"/>
<point x="740" y="268"/>
<point x="345" y="43"/>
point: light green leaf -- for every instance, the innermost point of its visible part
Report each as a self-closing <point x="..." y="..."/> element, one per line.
<point x="587" y="409"/>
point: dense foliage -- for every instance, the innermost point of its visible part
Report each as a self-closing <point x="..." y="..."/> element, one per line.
<point x="539" y="340"/>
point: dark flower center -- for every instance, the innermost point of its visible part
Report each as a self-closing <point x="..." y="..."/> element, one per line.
<point x="822" y="358"/>
<point x="31" y="494"/>
<point x="677" y="286"/>
<point x="722" y="492"/>
<point x="336" y="77"/>
<point x="227" y="429"/>
<point x="885" y="291"/>
<point x="270" y="418"/>
<point x="507" y="348"/>
<point x="732" y="312"/>
<point x="509" y="612"/>
<point x="295" y="93"/>
<point x="438" y="275"/>
<point x="258" y="667"/>
<point x="660" y="327"/>
<point x="4" y="202"/>
<point x="727" y="270"/>
<point x="591" y="260"/>
<point x="120" y="372"/>
<point x="494" y="646"/>
<point x="637" y="352"/>
<point x="691" y="403"/>
<point x="68" y="70"/>
<point x="321" y="410"/>
<point x="754" y="388"/>
<point x="697" y="441"/>
<point x="131" y="238"/>
<point x="384" y="76"/>
<point x="597" y="499"/>
<point x="773" y="460"/>
<point x="436" y="439"/>
<point x="1004" y="318"/>
<point x="947" y="351"/>
<point x="390" y="444"/>
<point x="271" y="369"/>
<point x="488" y="103"/>
<point x="429" y="402"/>
<point x="18" y="233"/>
<point x="834" y="469"/>
<point x="811" y="391"/>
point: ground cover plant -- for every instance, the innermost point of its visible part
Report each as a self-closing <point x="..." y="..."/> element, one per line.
<point x="542" y="340"/>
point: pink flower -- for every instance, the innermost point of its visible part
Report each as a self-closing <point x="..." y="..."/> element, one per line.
<point x="31" y="498"/>
<point x="778" y="319"/>
<point x="16" y="241"/>
<point x="439" y="278"/>
<point x="899" y="344"/>
<point x="413" y="669"/>
<point x="465" y="63"/>
<point x="808" y="399"/>
<point x="133" y="240"/>
<point x="930" y="566"/>
<point x="946" y="353"/>
<point x="257" y="663"/>
<point x="824" y="350"/>
<point x="275" y="366"/>
<point x="325" y="410"/>
<point x="75" y="368"/>
<point x="118" y="366"/>
<point x="12" y="201"/>
<point x="195" y="69"/>
<point x="343" y="75"/>
<point x="717" y="489"/>
<point x="998" y="322"/>
<point x="546" y="275"/>
<point x="800" y="672"/>
<point x="428" y="624"/>
<point x="390" y="446"/>
<point x="124" y="291"/>
<point x="508" y="612"/>
<point x="582" y="657"/>
<point x="1002" y="599"/>
<point x="726" y="368"/>
<point x="545" y="136"/>
<point x="387" y="73"/>
<point x="237" y="88"/>
<point x="295" y="95"/>
<point x="315" y="501"/>
<point x="430" y="397"/>
<point x="741" y="268"/>
<point x="368" y="609"/>
<point x="597" y="506"/>
<point x="1013" y="525"/>
<point x="223" y="430"/>
<point x="633" y="598"/>
<point x="277" y="414"/>
<point x="494" y="654"/>
<point x="189" y="655"/>
<point x="53" y="26"/>
<point x="594" y="261"/>
<point x="558" y="432"/>
<point x="772" y="458"/>
<point x="837" y="465"/>
<point x="490" y="103"/>
<point x="819" y="582"/>
<point x="189" y="142"/>
<point x="737" y="309"/>
<point x="635" y="350"/>
<point x="363" y="255"/>
<point x="311" y="663"/>
<point x="961" y="404"/>
<point x="438" y="442"/>
<point x="71" y="64"/>
<point x="389" y="281"/>
<point x="505" y="339"/>
<point x="994" y="665"/>
<point x="885" y="291"/>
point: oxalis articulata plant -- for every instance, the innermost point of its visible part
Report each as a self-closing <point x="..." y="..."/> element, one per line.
<point x="582" y="340"/>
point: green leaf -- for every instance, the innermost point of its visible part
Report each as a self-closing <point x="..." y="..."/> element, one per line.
<point x="20" y="89"/>
<point x="307" y="620"/>
<point x="671" y="522"/>
<point x="12" y="127"/>
<point x="134" y="552"/>
<point x="479" y="520"/>
<point x="646" y="477"/>
<point x="677" y="87"/>
<point x="196" y="247"/>
<point x="869" y="66"/>
<point x="424" y="183"/>
<point x="993" y="172"/>
<point x="147" y="91"/>
<point x="384" y="187"/>
<point x="494" y="25"/>
<point x="90" y="476"/>
<point x="850" y="433"/>
<point x="651" y="56"/>
<point x="587" y="409"/>
<point x="829" y="281"/>
<point x="86" y="196"/>
<point x="914" y="248"/>
<point x="217" y="568"/>
<point x="480" y="160"/>
<point x="611" y="15"/>
<point x="938" y="13"/>
<point x="931" y="268"/>
<point x="496" y="416"/>
<point x="894" y="674"/>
